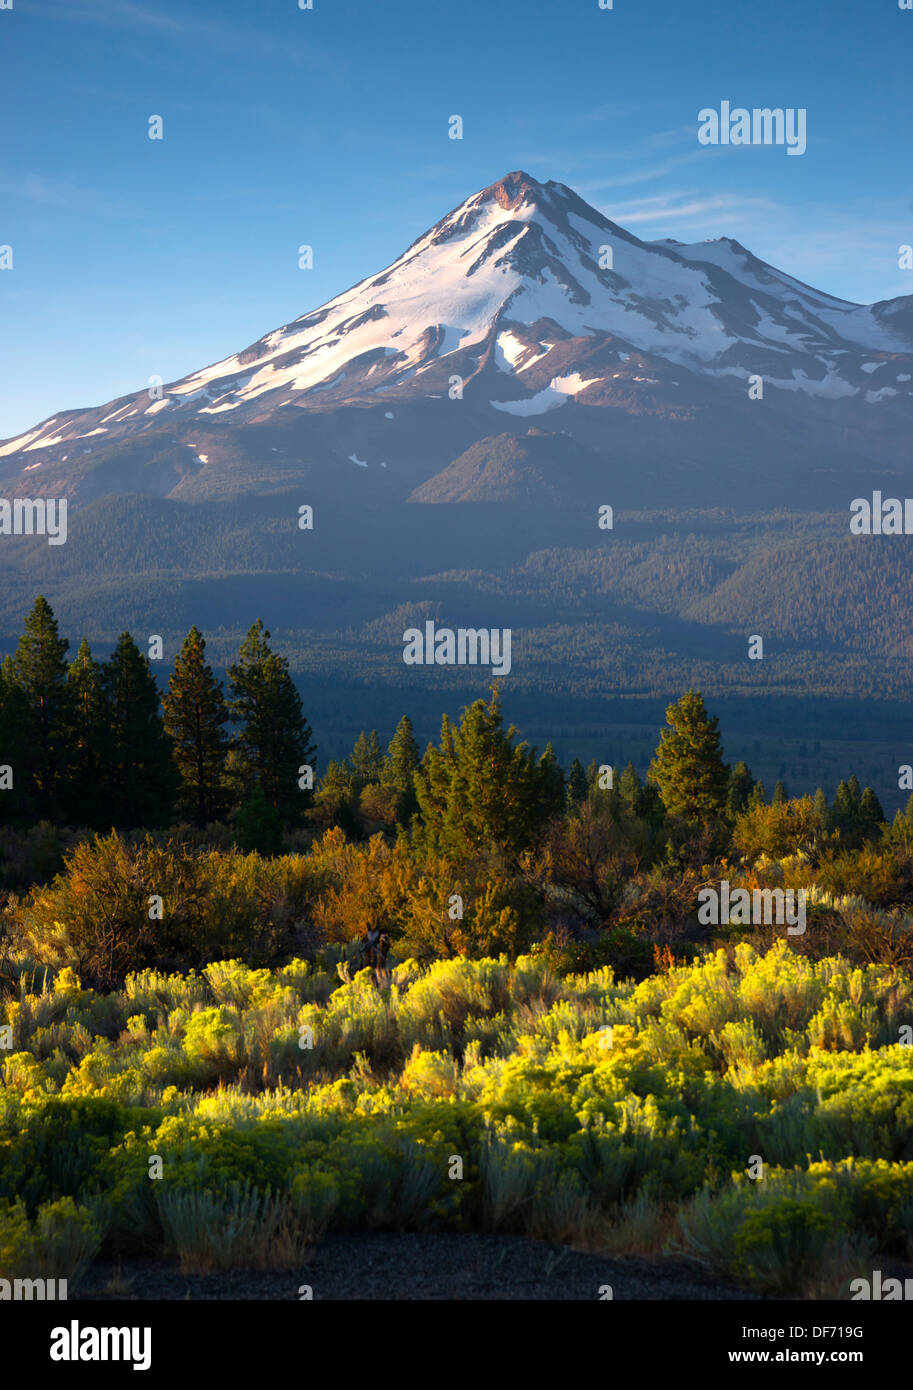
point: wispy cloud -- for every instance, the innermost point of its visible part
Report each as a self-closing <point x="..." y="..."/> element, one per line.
<point x="682" y="207"/>
<point x="250" y="40"/>
<point x="679" y="135"/>
<point x="614" y="111"/>
<point x="61" y="193"/>
<point x="649" y="175"/>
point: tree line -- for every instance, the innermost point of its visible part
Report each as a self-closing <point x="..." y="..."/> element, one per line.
<point x="98" y="744"/>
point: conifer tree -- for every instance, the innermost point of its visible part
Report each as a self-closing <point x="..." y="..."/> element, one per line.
<point x="195" y="716"/>
<point x="366" y="759"/>
<point x="338" y="796"/>
<point x="549" y="790"/>
<point x="142" y="780"/>
<point x="688" y="767"/>
<point x="629" y="789"/>
<point x="17" y="797"/>
<point x="902" y="826"/>
<point x="843" y="813"/>
<point x="576" y="783"/>
<point x="780" y="796"/>
<point x="870" y="810"/>
<point x="274" y="739"/>
<point x="604" y="794"/>
<point x="88" y="734"/>
<point x="40" y="671"/>
<point x="433" y="779"/>
<point x="258" y="825"/>
<point x="758" y="796"/>
<point x="402" y="765"/>
<point x="741" y="784"/>
<point x="635" y="799"/>
<point x="480" y="790"/>
<point x="337" y="785"/>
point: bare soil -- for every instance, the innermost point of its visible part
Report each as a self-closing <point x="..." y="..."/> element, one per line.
<point x="423" y="1266"/>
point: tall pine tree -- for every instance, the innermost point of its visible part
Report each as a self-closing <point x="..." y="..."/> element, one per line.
<point x="688" y="766"/>
<point x="741" y="785"/>
<point x="366" y="760"/>
<point x="142" y="781"/>
<point x="40" y="671"/>
<point x="195" y="716"/>
<point x="402" y="764"/>
<point x="88" y="735"/>
<point x="17" y="792"/>
<point x="576" y="783"/>
<point x="274" y="739"/>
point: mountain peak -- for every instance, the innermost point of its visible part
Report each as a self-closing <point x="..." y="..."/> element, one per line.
<point x="514" y="189"/>
<point x="533" y="299"/>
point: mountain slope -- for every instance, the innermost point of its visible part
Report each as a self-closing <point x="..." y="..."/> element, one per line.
<point x="522" y="302"/>
<point x="538" y="467"/>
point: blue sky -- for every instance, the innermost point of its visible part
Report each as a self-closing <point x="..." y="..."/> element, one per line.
<point x="135" y="258"/>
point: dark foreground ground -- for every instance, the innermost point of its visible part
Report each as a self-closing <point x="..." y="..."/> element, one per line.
<point x="422" y="1266"/>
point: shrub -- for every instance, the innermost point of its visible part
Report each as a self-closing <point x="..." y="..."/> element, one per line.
<point x="236" y="1228"/>
<point x="95" y="915"/>
<point x="60" y="1243"/>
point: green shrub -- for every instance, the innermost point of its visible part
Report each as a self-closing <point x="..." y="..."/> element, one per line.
<point x="60" y="1243"/>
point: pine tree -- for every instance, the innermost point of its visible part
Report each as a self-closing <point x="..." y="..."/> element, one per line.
<point x="141" y="781"/>
<point x="688" y="766"/>
<point x="780" y="796"/>
<point x="870" y="810"/>
<point x="195" y="716"/>
<point x="258" y="825"/>
<point x="902" y="826"/>
<point x="844" y="809"/>
<point x="433" y="780"/>
<point x="40" y="671"/>
<point x="88" y="734"/>
<point x="741" y="784"/>
<point x="337" y="785"/>
<point x="366" y="759"/>
<point x="629" y="789"/>
<point x="480" y="790"/>
<point x="402" y="764"/>
<point x="337" y="795"/>
<point x="274" y="740"/>
<point x="576" y="783"/>
<point x="17" y="797"/>
<point x="550" y="792"/>
<point x="758" y="796"/>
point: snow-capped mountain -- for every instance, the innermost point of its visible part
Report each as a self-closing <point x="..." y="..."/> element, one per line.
<point x="522" y="302"/>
